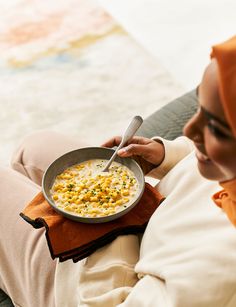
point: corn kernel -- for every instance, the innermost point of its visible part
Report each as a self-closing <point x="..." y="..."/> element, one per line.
<point x="77" y="191"/>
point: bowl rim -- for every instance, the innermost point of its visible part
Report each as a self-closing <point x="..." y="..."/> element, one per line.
<point x="94" y="220"/>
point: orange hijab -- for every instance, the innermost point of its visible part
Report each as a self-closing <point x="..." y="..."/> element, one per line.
<point x="225" y="55"/>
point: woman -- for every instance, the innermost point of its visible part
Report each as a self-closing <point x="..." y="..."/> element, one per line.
<point x="187" y="255"/>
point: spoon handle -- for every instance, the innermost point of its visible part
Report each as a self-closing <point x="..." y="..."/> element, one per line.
<point x="129" y="132"/>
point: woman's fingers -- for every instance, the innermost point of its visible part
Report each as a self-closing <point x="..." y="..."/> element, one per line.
<point x="140" y="148"/>
<point x="152" y="152"/>
<point x="133" y="150"/>
<point x="139" y="140"/>
<point x="115" y="141"/>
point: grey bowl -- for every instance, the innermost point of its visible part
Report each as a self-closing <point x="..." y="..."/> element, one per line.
<point x="84" y="154"/>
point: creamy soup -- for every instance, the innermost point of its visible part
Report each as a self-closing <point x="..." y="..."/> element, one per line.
<point x="86" y="191"/>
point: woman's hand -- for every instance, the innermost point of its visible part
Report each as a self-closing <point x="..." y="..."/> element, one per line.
<point x="148" y="153"/>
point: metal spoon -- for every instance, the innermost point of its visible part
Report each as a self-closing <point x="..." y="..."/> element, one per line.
<point x="130" y="131"/>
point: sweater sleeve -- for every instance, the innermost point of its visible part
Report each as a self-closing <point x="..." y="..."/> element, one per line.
<point x="148" y="291"/>
<point x="175" y="151"/>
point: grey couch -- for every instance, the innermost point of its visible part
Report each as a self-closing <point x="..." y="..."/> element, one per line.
<point x="167" y="122"/>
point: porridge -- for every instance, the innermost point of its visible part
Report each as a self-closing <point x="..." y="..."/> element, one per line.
<point x="84" y="190"/>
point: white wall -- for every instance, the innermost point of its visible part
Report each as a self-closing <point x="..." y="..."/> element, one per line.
<point x="179" y="33"/>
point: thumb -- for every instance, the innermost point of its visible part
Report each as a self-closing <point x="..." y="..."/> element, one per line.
<point x="133" y="150"/>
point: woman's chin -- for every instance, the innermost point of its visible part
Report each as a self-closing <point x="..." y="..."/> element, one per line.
<point x="208" y="170"/>
<point x="202" y="158"/>
<point x="206" y="167"/>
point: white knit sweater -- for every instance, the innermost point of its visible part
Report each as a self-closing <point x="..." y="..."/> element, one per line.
<point x="186" y="257"/>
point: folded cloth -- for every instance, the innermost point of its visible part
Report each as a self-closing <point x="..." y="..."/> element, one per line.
<point x="69" y="239"/>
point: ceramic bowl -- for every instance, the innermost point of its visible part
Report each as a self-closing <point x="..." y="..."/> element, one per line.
<point x="79" y="156"/>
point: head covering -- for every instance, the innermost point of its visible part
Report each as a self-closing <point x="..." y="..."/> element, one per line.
<point x="226" y="199"/>
<point x="225" y="55"/>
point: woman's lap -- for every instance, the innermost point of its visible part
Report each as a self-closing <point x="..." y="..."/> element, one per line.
<point x="39" y="150"/>
<point x="27" y="270"/>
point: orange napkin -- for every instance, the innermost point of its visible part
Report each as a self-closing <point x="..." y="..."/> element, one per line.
<point x="68" y="239"/>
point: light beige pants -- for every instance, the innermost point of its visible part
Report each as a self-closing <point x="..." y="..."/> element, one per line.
<point x="26" y="268"/>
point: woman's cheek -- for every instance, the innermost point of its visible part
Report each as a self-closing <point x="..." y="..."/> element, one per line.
<point x="214" y="149"/>
<point x="222" y="157"/>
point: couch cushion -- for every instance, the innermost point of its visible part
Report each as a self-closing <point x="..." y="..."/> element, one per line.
<point x="168" y="122"/>
<point x="5" y="301"/>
